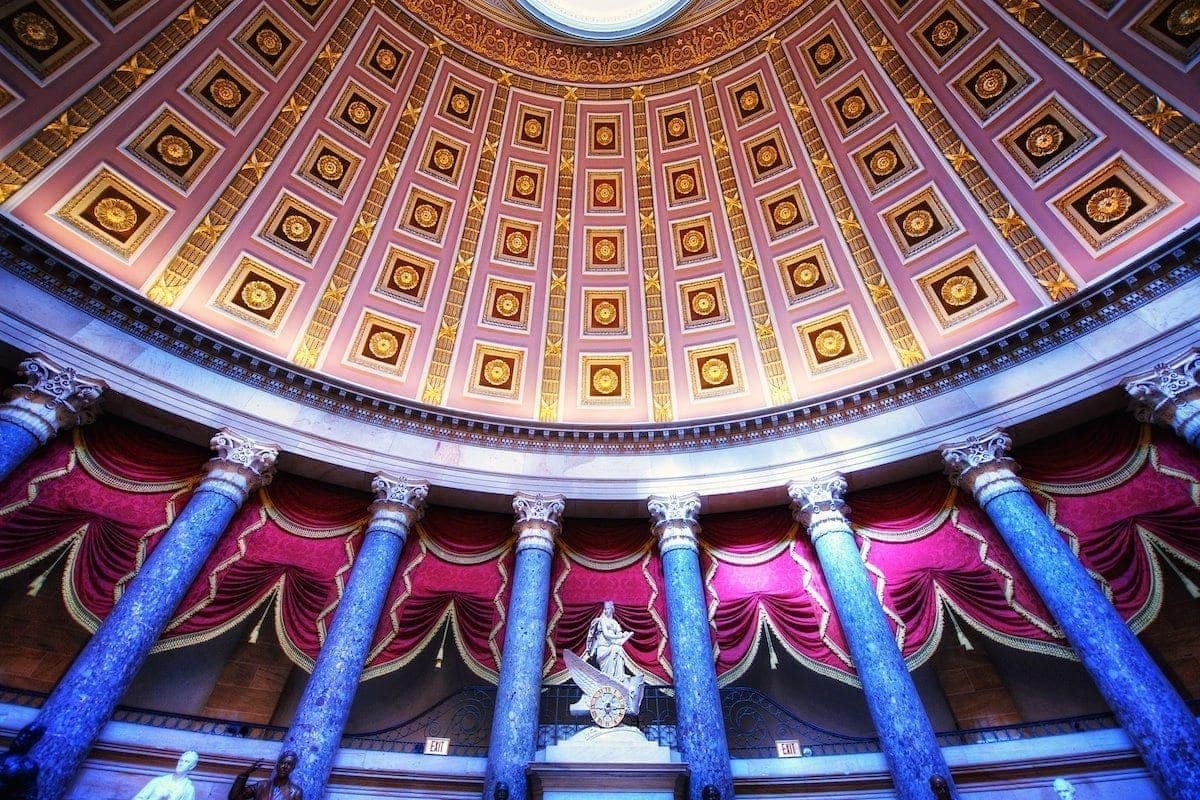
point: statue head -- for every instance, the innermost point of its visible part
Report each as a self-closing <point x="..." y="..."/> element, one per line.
<point x="500" y="792"/>
<point x="609" y="608"/>
<point x="940" y="787"/>
<point x="1064" y="789"/>
<point x="286" y="763"/>
<point x="187" y="762"/>
<point x="710" y="792"/>
<point x="26" y="738"/>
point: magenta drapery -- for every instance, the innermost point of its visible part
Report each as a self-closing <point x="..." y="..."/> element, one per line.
<point x="94" y="503"/>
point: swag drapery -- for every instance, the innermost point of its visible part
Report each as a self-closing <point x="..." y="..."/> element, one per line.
<point x="93" y="504"/>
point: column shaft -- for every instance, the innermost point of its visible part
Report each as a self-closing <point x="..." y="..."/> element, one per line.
<point x="16" y="445"/>
<point x="1158" y="722"/>
<point x="513" y="740"/>
<point x="84" y="699"/>
<point x="316" y="731"/>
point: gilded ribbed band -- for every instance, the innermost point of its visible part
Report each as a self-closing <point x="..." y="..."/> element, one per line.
<point x="819" y="503"/>
<point x="538" y="520"/>
<point x="240" y="466"/>
<point x="49" y="398"/>
<point x="676" y="521"/>
<point x="980" y="465"/>
<point x="1158" y="395"/>
<point x="399" y="504"/>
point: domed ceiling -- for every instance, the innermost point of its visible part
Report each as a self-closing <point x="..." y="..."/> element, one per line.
<point x="758" y="204"/>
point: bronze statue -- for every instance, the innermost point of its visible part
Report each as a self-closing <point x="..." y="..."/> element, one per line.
<point x="278" y="786"/>
<point x="18" y="770"/>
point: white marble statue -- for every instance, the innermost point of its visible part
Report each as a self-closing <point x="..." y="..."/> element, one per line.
<point x="177" y="785"/>
<point x="606" y="643"/>
<point x="1064" y="789"/>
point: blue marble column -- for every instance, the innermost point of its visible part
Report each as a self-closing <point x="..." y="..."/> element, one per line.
<point x="1162" y="729"/>
<point x="905" y="733"/>
<point x="518" y="697"/>
<point x="701" y="726"/>
<point x="84" y="699"/>
<point x="49" y="398"/>
<point x="316" y="731"/>
<point x="1169" y="395"/>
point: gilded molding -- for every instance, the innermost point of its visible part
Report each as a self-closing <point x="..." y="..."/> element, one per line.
<point x="49" y="398"/>
<point x="980" y="464"/>
<point x="538" y="520"/>
<point x="896" y="324"/>
<point x="676" y="521"/>
<point x="1134" y="97"/>
<point x="997" y="207"/>
<point x="663" y="409"/>
<point x="765" y="336"/>
<point x="552" y="357"/>
<point x="240" y="466"/>
<point x="434" y="391"/>
<point x="333" y="296"/>
<point x="29" y="159"/>
<point x="169" y="284"/>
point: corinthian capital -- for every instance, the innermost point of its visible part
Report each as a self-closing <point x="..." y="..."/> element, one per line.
<point x="538" y="520"/>
<point x="980" y="464"/>
<point x="49" y="398"/>
<point x="240" y="466"/>
<point x="676" y="520"/>
<point x="399" y="503"/>
<point x="819" y="503"/>
<point x="1156" y="394"/>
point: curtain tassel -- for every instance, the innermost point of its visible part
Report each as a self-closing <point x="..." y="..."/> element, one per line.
<point x="257" y="629"/>
<point x="441" y="653"/>
<point x="958" y="631"/>
<point x="37" y="583"/>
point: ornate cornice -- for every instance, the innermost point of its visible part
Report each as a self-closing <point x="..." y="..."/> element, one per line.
<point x="676" y="521"/>
<point x="240" y="466"/>
<point x="538" y="520"/>
<point x="399" y="503"/>
<point x="980" y="465"/>
<point x="61" y="276"/>
<point x="49" y="398"/>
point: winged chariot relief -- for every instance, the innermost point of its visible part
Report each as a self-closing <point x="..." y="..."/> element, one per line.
<point x="610" y="690"/>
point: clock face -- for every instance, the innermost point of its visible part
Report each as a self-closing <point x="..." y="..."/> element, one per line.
<point x="608" y="707"/>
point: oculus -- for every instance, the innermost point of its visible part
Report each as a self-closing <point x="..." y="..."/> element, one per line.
<point x="256" y="294"/>
<point x="40" y="36"/>
<point x="329" y="166"/>
<point x="268" y="41"/>
<point x="110" y="211"/>
<point x="173" y="149"/>
<point x="604" y="22"/>
<point x="605" y="312"/>
<point x="992" y="82"/>
<point x="225" y="92"/>
<point x="1111" y="203"/>
<point x="381" y="343"/>
<point x="960" y="290"/>
<point x="831" y="342"/>
<point x="405" y="277"/>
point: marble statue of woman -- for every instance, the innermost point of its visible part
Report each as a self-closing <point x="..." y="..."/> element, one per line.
<point x="177" y="785"/>
<point x="606" y="642"/>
